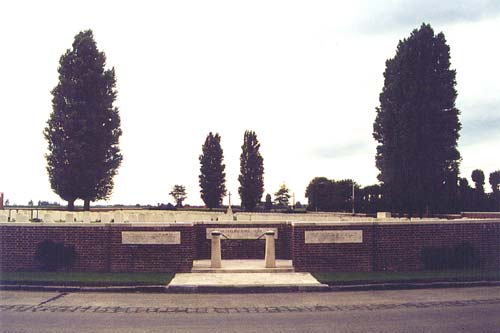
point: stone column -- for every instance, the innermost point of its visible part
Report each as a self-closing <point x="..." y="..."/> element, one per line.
<point x="216" y="258"/>
<point x="270" y="260"/>
<point x="1" y="200"/>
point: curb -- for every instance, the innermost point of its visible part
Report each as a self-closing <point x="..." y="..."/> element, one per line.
<point x="246" y="289"/>
<point x="109" y="289"/>
<point x="413" y="285"/>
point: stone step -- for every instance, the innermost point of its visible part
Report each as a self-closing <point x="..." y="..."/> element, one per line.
<point x="244" y="282"/>
<point x="242" y="266"/>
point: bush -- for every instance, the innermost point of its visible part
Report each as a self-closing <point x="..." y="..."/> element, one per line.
<point x="465" y="256"/>
<point x="53" y="256"/>
<point x="436" y="258"/>
<point x="462" y="256"/>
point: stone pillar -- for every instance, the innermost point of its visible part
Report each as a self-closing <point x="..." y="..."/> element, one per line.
<point x="1" y="200"/>
<point x="216" y="258"/>
<point x="270" y="260"/>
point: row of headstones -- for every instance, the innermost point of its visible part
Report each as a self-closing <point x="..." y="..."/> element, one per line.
<point x="105" y="217"/>
<point x="155" y="216"/>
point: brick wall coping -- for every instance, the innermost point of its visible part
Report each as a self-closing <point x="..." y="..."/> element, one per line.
<point x="97" y="224"/>
<point x="241" y="222"/>
<point x="396" y="222"/>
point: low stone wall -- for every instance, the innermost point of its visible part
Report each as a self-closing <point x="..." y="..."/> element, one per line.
<point x="99" y="247"/>
<point x="389" y="246"/>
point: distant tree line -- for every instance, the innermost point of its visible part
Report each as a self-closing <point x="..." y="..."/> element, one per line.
<point x="330" y="195"/>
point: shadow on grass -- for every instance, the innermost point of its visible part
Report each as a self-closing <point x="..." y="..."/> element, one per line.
<point x="345" y="278"/>
<point x="85" y="278"/>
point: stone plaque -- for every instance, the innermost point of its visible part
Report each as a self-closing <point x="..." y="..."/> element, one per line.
<point x="241" y="233"/>
<point x="333" y="236"/>
<point x="151" y="237"/>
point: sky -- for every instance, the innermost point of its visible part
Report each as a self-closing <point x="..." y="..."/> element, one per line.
<point x="304" y="75"/>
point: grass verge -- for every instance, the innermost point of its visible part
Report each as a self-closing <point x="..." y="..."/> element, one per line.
<point x="85" y="278"/>
<point x="342" y="278"/>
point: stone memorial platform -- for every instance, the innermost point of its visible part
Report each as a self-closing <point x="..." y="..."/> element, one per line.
<point x="183" y="282"/>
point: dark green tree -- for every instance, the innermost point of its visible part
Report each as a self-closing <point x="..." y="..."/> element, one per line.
<point x="494" y="181"/>
<point x="282" y="196"/>
<point x="342" y="195"/>
<point x="83" y="130"/>
<point x="417" y="125"/>
<point x="478" y="179"/>
<point x="479" y="197"/>
<point x="212" y="176"/>
<point x="268" y="205"/>
<point x="179" y="194"/>
<point x="319" y="194"/>
<point x="251" y="176"/>
<point x="370" y="199"/>
<point x="465" y="195"/>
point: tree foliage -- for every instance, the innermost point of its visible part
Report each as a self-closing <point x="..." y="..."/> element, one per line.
<point x="212" y="177"/>
<point x="251" y="176"/>
<point x="319" y="194"/>
<point x="179" y="194"/>
<point x="268" y="205"/>
<point x="479" y="198"/>
<point x="282" y="196"/>
<point x="331" y="195"/>
<point x="83" y="130"/>
<point x="494" y="181"/>
<point x="478" y="179"/>
<point x="417" y="124"/>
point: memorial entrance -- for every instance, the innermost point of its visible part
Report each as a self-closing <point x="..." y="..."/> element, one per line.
<point x="257" y="237"/>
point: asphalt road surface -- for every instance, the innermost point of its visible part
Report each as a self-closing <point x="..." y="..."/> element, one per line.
<point x="428" y="310"/>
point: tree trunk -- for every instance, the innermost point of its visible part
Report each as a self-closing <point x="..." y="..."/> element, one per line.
<point x="71" y="204"/>
<point x="86" y="204"/>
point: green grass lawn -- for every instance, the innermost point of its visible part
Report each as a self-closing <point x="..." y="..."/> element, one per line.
<point x="85" y="278"/>
<point x="424" y="276"/>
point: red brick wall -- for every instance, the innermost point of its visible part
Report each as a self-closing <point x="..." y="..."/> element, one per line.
<point x="242" y="248"/>
<point x="393" y="247"/>
<point x="99" y="248"/>
<point x="331" y="257"/>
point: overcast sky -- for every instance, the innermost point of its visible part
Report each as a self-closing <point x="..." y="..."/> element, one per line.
<point x="304" y="75"/>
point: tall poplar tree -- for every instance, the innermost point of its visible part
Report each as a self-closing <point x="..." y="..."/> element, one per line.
<point x="251" y="176"/>
<point x="83" y="129"/>
<point x="212" y="176"/>
<point x="417" y="124"/>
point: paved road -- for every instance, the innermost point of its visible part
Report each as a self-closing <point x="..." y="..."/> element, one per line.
<point x="432" y="310"/>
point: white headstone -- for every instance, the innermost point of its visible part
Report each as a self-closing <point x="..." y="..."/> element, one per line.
<point x="142" y="217"/>
<point x="86" y="217"/>
<point x="118" y="217"/>
<point x="69" y="217"/>
<point x="383" y="215"/>
<point x="22" y="218"/>
<point x="105" y="217"/>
